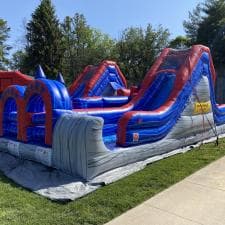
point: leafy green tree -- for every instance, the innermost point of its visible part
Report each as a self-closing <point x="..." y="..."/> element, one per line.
<point x="83" y="45"/>
<point x="180" y="42"/>
<point x="101" y="47"/>
<point x="18" y="61"/>
<point x="4" y="48"/>
<point x="76" y="34"/>
<point x="44" y="38"/>
<point x="137" y="50"/>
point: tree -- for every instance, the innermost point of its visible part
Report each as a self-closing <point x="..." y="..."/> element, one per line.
<point x="180" y="42"/>
<point x="101" y="47"/>
<point x="83" y="45"/>
<point x="212" y="20"/>
<point x="206" y="26"/>
<point x="4" y="48"/>
<point x="18" y="61"/>
<point x="76" y="34"/>
<point x="211" y="29"/>
<point x="137" y="50"/>
<point x="44" y="38"/>
<point x="191" y="26"/>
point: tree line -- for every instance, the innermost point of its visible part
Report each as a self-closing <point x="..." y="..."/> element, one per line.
<point x="68" y="46"/>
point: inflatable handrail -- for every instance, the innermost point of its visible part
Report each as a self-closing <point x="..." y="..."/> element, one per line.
<point x="77" y="81"/>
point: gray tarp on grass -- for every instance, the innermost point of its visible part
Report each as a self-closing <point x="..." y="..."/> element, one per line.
<point x="55" y="185"/>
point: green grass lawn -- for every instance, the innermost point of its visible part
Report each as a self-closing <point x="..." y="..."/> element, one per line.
<point x="19" y="206"/>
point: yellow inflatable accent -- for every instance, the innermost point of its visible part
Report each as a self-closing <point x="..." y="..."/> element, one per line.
<point x="202" y="107"/>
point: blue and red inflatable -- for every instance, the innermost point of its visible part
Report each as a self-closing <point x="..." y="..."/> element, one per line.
<point x="90" y="129"/>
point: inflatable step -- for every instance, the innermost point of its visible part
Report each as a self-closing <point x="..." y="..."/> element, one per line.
<point x="36" y="133"/>
<point x="38" y="118"/>
<point x="98" y="102"/>
<point x="10" y="116"/>
<point x="109" y="129"/>
<point x="81" y="103"/>
<point x="10" y="128"/>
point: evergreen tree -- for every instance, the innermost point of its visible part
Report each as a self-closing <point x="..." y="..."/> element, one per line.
<point x="4" y="48"/>
<point x="44" y="38"/>
<point x="191" y="25"/>
<point x="211" y="30"/>
<point x="206" y="26"/>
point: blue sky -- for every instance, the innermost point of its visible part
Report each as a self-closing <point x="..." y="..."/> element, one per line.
<point x="109" y="16"/>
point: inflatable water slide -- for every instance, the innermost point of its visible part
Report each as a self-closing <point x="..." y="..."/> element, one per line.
<point x="175" y="107"/>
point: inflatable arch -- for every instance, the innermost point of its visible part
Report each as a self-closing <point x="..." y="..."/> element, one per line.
<point x="30" y="112"/>
<point x="43" y="100"/>
<point x="11" y="111"/>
